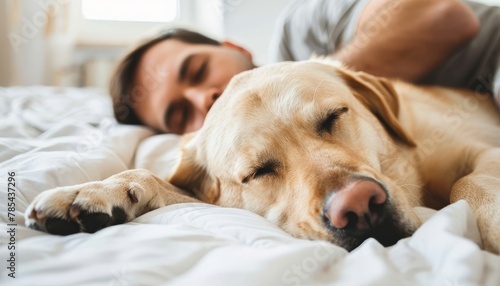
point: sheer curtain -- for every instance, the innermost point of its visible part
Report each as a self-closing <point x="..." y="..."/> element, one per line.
<point x="5" y="65"/>
<point x="36" y="41"/>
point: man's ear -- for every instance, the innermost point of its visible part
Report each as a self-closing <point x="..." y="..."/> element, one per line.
<point x="191" y="173"/>
<point x="237" y="47"/>
<point x="380" y="97"/>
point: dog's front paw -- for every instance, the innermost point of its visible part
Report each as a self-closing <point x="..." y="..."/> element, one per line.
<point x="85" y="208"/>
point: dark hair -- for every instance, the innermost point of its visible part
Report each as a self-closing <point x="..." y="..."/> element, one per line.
<point x="122" y="81"/>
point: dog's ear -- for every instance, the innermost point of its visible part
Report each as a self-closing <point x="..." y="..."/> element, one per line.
<point x="379" y="96"/>
<point x="191" y="173"/>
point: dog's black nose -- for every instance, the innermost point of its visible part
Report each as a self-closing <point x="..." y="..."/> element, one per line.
<point x="358" y="207"/>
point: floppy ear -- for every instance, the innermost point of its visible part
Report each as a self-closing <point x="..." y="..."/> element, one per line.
<point x="191" y="174"/>
<point x="379" y="96"/>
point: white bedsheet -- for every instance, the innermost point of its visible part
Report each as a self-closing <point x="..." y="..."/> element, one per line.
<point x="55" y="137"/>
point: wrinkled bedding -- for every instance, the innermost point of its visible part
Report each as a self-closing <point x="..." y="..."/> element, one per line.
<point x="63" y="136"/>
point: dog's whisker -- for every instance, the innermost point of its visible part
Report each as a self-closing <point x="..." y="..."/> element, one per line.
<point x="316" y="90"/>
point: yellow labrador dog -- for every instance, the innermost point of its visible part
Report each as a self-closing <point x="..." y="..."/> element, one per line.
<point x="323" y="152"/>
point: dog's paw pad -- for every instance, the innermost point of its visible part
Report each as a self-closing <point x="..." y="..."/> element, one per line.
<point x="60" y="226"/>
<point x="93" y="222"/>
<point x="119" y="215"/>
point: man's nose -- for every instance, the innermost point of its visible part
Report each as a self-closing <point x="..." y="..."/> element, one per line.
<point x="203" y="98"/>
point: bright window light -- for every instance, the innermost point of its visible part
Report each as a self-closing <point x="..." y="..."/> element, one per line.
<point x="130" y="10"/>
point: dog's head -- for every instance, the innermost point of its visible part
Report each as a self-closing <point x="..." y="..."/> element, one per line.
<point x="305" y="145"/>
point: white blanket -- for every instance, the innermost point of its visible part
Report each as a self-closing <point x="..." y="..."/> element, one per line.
<point x="55" y="137"/>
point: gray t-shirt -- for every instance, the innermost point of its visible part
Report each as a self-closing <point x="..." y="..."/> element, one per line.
<point x="322" y="27"/>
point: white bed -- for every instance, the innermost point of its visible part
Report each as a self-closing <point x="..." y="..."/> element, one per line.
<point x="54" y="137"/>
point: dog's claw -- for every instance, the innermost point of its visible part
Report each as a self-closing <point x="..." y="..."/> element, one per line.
<point x="132" y="196"/>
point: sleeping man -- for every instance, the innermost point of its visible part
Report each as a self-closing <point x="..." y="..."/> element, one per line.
<point x="169" y="83"/>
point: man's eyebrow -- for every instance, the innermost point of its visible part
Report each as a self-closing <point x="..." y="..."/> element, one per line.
<point x="184" y="68"/>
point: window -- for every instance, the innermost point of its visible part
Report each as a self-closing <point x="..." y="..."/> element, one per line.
<point x="130" y="10"/>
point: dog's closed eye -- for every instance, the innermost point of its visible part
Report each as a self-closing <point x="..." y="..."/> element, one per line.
<point x="326" y="124"/>
<point x="268" y="168"/>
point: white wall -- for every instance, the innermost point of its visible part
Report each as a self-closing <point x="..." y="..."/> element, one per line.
<point x="251" y="23"/>
<point x="489" y="2"/>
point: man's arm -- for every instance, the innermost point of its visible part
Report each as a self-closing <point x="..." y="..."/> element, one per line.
<point x="407" y="39"/>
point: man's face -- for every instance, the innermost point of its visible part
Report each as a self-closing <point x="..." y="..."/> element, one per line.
<point x="177" y="82"/>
